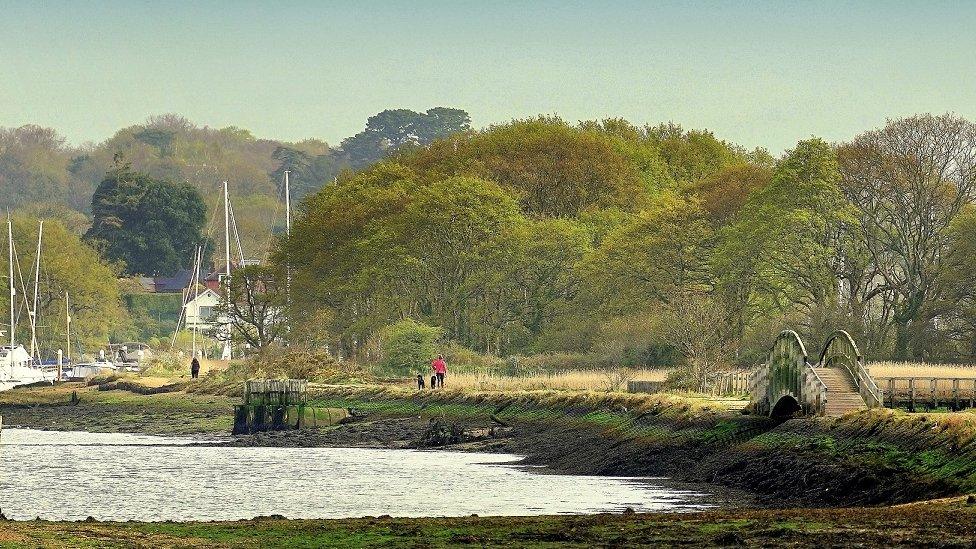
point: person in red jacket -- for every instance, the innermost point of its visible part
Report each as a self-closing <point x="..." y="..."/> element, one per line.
<point x="440" y="370"/>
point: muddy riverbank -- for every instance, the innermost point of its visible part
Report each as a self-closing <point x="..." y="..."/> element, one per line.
<point x="946" y="524"/>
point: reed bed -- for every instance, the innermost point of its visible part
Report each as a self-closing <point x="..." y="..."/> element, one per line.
<point x="921" y="369"/>
<point x="576" y="380"/>
<point x="929" y="378"/>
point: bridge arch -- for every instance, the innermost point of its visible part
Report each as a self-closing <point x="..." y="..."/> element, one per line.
<point x="840" y="351"/>
<point x="787" y="373"/>
<point x="785" y="408"/>
<point x="788" y="384"/>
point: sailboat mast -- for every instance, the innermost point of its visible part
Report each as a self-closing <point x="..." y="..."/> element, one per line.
<point x="37" y="277"/>
<point x="67" y="323"/>
<point x="226" y="231"/>
<point x="13" y="290"/>
<point x="288" y="233"/>
<point x="287" y="205"/>
<point x="227" y="350"/>
<point x="196" y="294"/>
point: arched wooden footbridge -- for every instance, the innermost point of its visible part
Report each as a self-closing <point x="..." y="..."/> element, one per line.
<point x="789" y="384"/>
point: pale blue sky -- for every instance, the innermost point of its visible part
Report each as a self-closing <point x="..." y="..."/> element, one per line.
<point x="758" y="73"/>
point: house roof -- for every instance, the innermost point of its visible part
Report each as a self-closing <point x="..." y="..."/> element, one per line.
<point x="175" y="283"/>
<point x="215" y="275"/>
<point x="207" y="293"/>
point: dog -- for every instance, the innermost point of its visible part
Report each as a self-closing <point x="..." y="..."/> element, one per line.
<point x="433" y="381"/>
<point x="420" y="381"/>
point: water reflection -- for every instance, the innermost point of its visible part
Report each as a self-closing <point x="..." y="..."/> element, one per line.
<point x="71" y="475"/>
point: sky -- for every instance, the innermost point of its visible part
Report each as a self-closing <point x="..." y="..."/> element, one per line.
<point x="757" y="73"/>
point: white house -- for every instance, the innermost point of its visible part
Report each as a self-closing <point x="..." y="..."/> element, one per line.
<point x="201" y="311"/>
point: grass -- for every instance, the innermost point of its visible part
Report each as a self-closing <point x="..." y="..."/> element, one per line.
<point x="944" y="523"/>
<point x="576" y="380"/>
<point x="942" y="374"/>
<point x="921" y="369"/>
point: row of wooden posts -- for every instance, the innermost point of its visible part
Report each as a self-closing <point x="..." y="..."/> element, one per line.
<point x="720" y="384"/>
<point x="928" y="392"/>
<point x="916" y="392"/>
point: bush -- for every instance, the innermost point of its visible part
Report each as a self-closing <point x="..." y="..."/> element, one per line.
<point x="166" y="364"/>
<point x="683" y="379"/>
<point x="274" y="362"/>
<point x="407" y="347"/>
<point x="460" y="359"/>
<point x="557" y="362"/>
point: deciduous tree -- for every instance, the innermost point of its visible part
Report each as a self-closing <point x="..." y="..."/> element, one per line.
<point x="151" y="226"/>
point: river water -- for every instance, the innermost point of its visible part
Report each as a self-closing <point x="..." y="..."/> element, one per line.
<point x="110" y="476"/>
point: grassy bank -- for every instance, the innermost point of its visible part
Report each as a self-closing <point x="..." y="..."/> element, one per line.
<point x="107" y="408"/>
<point x="943" y="524"/>
<point x="875" y="457"/>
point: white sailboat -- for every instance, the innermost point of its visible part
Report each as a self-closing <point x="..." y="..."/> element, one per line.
<point x="16" y="364"/>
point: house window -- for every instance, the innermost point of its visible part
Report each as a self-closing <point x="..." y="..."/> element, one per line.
<point x="205" y="312"/>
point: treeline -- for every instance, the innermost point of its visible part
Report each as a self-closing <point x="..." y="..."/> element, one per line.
<point x="650" y="244"/>
<point x="138" y="204"/>
<point x="41" y="175"/>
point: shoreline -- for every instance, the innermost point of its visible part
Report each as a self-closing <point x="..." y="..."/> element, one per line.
<point x="872" y="458"/>
<point x="949" y="523"/>
<point x="866" y="486"/>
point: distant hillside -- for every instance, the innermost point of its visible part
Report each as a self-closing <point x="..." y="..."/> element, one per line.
<point x="42" y="174"/>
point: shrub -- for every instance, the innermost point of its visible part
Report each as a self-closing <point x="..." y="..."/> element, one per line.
<point x="461" y="359"/>
<point x="407" y="347"/>
<point x="557" y="362"/>
<point x="166" y="364"/>
<point x="274" y="362"/>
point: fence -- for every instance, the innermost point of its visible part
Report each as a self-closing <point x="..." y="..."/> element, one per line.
<point x="928" y="392"/>
<point x="729" y="383"/>
<point x="718" y="384"/>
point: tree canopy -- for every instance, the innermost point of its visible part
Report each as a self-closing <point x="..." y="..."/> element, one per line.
<point x="149" y="225"/>
<point x="70" y="266"/>
<point x="541" y="235"/>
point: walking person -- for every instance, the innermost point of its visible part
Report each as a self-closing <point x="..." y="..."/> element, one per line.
<point x="440" y="370"/>
<point x="195" y="368"/>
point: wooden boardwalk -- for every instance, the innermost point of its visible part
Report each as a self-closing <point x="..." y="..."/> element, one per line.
<point x="955" y="393"/>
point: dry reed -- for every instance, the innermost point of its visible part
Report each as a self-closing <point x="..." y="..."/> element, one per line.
<point x="921" y="369"/>
<point x="577" y="380"/>
<point x="926" y="375"/>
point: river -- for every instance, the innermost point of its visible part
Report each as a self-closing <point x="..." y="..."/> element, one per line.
<point x="111" y="476"/>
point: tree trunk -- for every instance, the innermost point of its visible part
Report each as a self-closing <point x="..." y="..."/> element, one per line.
<point x="902" y="338"/>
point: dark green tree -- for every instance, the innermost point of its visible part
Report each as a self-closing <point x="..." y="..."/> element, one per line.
<point x="394" y="128"/>
<point x="308" y="173"/>
<point x="150" y="225"/>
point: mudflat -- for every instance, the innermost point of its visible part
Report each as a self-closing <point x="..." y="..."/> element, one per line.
<point x="935" y="524"/>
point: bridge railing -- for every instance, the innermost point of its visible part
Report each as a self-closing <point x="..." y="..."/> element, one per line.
<point x="866" y="385"/>
<point x="815" y="390"/>
<point x="840" y="349"/>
